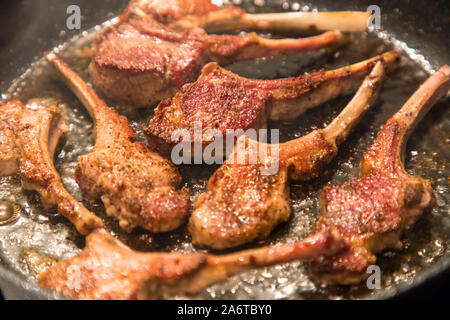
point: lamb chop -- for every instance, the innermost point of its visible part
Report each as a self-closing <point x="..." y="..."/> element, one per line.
<point x="136" y="185"/>
<point x="157" y="46"/>
<point x="370" y="213"/>
<point x="221" y="101"/>
<point x="28" y="139"/>
<point x="108" y="269"/>
<point x="243" y="203"/>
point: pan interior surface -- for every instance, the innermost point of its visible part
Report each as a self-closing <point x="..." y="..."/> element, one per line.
<point x="36" y="237"/>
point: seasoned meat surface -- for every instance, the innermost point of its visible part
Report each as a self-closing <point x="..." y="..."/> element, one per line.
<point x="108" y="269"/>
<point x="136" y="185"/>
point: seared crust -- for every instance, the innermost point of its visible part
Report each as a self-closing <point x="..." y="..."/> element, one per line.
<point x="122" y="86"/>
<point x="219" y="100"/>
<point x="375" y="193"/>
<point x="126" y="71"/>
<point x="241" y="205"/>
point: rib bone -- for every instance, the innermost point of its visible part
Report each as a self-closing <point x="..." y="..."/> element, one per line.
<point x="33" y="136"/>
<point x="243" y="204"/>
<point x="136" y="185"/>
<point x="108" y="269"/>
<point x="371" y="212"/>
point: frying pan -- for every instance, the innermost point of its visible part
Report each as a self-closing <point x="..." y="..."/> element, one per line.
<point x="419" y="28"/>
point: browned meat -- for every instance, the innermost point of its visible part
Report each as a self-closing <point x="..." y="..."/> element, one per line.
<point x="9" y="152"/>
<point x="371" y="212"/>
<point x="243" y="203"/>
<point x="136" y="185"/>
<point x="221" y="100"/>
<point x="157" y="46"/>
<point x="108" y="269"/>
<point x="27" y="145"/>
<point x="204" y="14"/>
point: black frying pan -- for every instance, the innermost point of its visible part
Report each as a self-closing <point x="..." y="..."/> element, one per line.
<point x="30" y="27"/>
